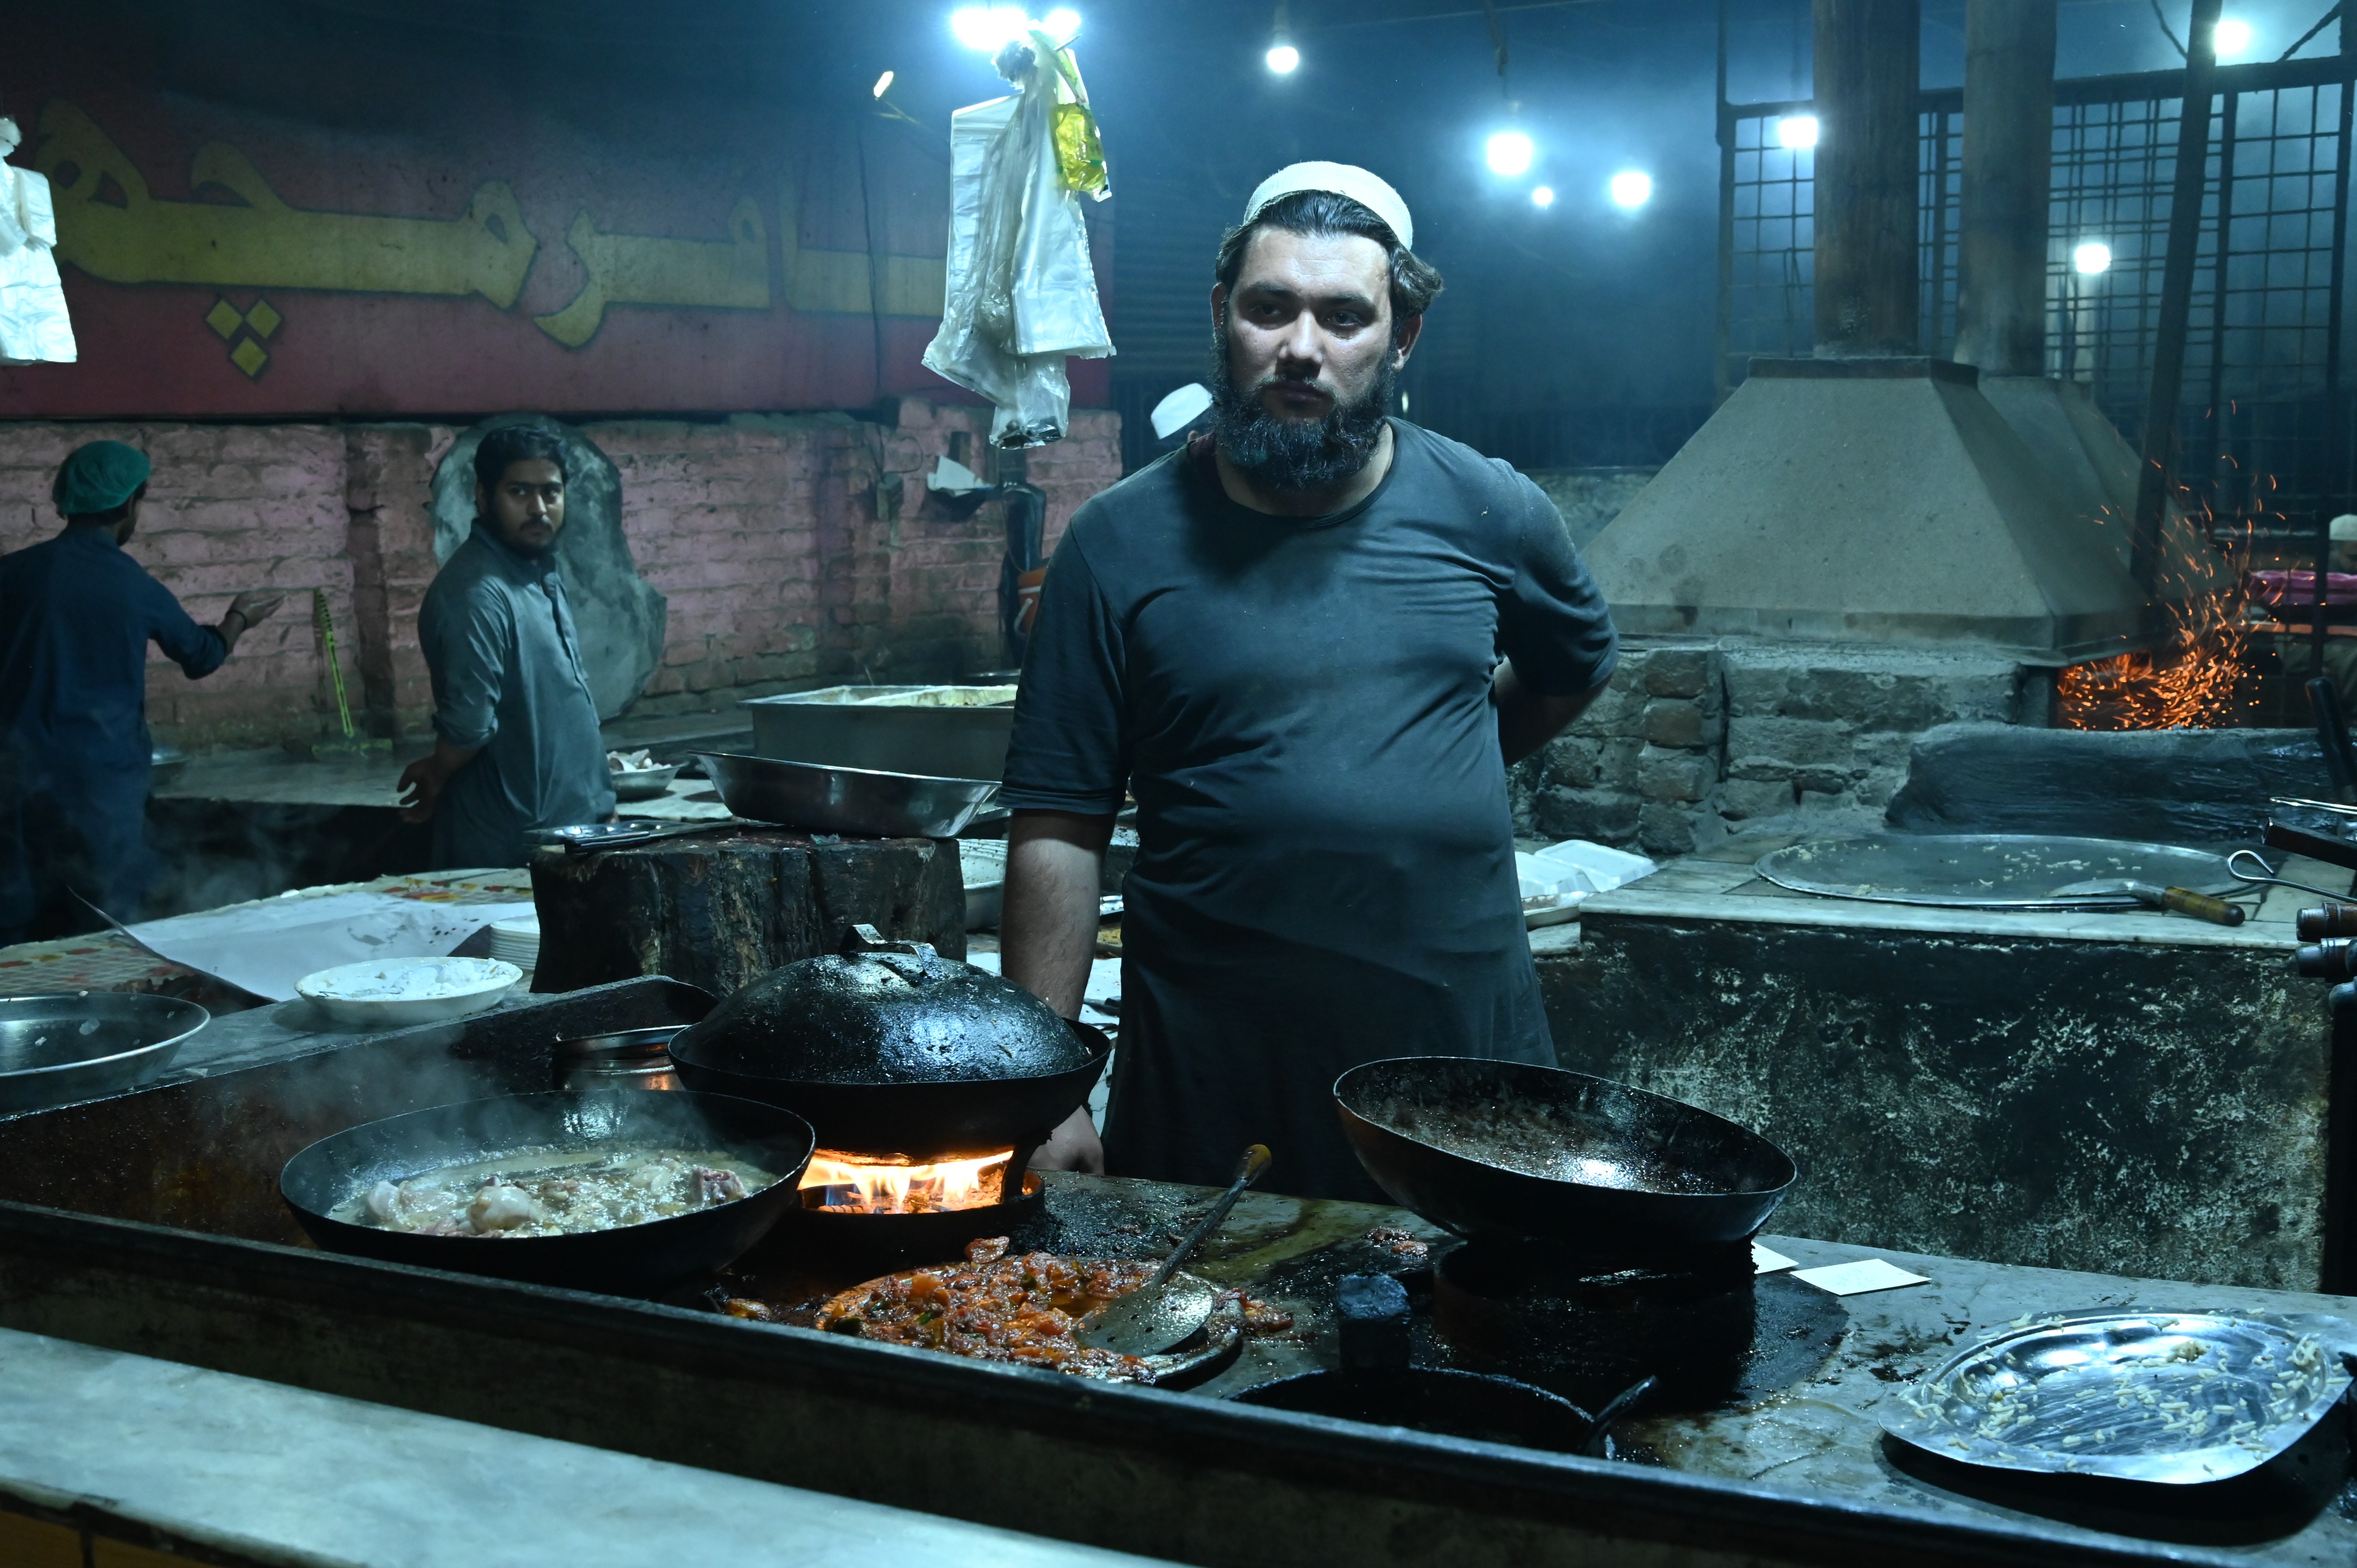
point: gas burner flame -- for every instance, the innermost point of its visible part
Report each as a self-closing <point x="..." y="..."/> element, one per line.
<point x="852" y="1184"/>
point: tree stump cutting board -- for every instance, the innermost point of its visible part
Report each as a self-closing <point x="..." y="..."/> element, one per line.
<point x="718" y="910"/>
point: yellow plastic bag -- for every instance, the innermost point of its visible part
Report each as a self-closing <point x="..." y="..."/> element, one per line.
<point x="1080" y="151"/>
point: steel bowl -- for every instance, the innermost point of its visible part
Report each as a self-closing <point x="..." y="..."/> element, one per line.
<point x="817" y="798"/>
<point x="644" y="783"/>
<point x="57" y="1049"/>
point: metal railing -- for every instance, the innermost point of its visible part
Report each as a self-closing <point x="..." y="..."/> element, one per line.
<point x="2264" y="430"/>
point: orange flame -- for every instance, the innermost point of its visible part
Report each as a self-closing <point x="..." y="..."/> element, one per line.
<point x="857" y="1186"/>
<point x="2194" y="681"/>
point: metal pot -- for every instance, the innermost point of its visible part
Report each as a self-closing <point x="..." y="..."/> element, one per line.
<point x="60" y="1049"/>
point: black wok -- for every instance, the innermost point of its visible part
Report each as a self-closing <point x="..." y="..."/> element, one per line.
<point x="632" y="1260"/>
<point x="931" y="1120"/>
<point x="1463" y="1141"/>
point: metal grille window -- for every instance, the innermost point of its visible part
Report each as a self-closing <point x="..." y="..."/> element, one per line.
<point x="2258" y="431"/>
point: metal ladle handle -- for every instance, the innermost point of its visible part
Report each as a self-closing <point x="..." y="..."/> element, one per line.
<point x="1256" y="1160"/>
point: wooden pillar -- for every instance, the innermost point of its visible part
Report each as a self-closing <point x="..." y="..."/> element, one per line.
<point x="1866" y="292"/>
<point x="2008" y="172"/>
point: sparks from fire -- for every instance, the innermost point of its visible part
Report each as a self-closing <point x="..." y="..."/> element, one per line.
<point x="2195" y="680"/>
<point x="854" y="1186"/>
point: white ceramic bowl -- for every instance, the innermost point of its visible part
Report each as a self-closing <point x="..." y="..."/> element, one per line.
<point x="390" y="993"/>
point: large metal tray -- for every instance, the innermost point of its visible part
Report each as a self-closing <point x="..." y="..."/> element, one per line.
<point x="57" y="1049"/>
<point x="2177" y="1398"/>
<point x="822" y="799"/>
<point x="1989" y="871"/>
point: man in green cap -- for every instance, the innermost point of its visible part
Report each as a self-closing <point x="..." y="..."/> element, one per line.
<point x="76" y="616"/>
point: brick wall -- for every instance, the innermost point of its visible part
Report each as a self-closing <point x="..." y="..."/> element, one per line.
<point x="1696" y="739"/>
<point x="793" y="549"/>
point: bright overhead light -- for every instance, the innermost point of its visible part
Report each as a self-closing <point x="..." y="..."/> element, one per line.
<point x="1283" y="59"/>
<point x="1062" y="24"/>
<point x="1543" y="197"/>
<point x="883" y="85"/>
<point x="1510" y="153"/>
<point x="2231" y="38"/>
<point x="1632" y="188"/>
<point x="2091" y="257"/>
<point x="989" y="27"/>
<point x="1798" y="132"/>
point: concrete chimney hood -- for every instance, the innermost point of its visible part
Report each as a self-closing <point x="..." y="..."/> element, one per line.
<point x="1886" y="499"/>
<point x="1873" y="495"/>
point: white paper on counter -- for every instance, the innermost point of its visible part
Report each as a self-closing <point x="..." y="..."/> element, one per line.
<point x="1767" y="1260"/>
<point x="1858" y="1278"/>
<point x="265" y="948"/>
<point x="1104" y="985"/>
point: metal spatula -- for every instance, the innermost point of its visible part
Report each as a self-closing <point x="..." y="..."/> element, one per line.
<point x="1160" y="1314"/>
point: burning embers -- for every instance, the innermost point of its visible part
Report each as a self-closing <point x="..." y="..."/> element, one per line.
<point x="2197" y="679"/>
<point x="856" y="1184"/>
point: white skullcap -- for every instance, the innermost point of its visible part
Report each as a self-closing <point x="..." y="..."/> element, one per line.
<point x="1367" y="190"/>
<point x="2344" y="528"/>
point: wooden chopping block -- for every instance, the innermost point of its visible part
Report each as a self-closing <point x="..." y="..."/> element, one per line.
<point x="721" y="908"/>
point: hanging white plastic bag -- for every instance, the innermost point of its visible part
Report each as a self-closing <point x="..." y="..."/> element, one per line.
<point x="34" y="326"/>
<point x="1022" y="295"/>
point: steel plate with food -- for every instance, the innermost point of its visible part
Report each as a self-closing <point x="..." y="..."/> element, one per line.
<point x="550" y="1191"/>
<point x="2175" y="1398"/>
<point x="1021" y="1308"/>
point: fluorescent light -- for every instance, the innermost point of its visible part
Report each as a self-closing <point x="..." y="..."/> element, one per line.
<point x="1510" y="153"/>
<point x="883" y="85"/>
<point x="1798" y="132"/>
<point x="2091" y="257"/>
<point x="990" y="27"/>
<point x="1283" y="58"/>
<point x="2231" y="36"/>
<point x="1063" y="25"/>
<point x="1543" y="197"/>
<point x="1632" y="188"/>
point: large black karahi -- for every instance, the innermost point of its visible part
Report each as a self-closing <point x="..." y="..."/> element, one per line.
<point x="897" y="1052"/>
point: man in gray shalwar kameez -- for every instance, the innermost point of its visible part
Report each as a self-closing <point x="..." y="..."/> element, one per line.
<point x="516" y="741"/>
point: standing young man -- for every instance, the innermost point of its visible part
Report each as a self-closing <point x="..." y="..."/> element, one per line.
<point x="516" y="741"/>
<point x="77" y="614"/>
<point x="1310" y="643"/>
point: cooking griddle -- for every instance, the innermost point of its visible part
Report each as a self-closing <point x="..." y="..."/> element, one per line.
<point x="1989" y="871"/>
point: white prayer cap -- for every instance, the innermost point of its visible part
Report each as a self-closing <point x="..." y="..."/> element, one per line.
<point x="1367" y="190"/>
<point x="2344" y="528"/>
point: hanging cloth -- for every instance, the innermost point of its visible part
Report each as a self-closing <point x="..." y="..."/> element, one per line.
<point x="34" y="326"/>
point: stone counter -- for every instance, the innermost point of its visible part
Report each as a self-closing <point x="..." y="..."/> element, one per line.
<point x="2134" y="1093"/>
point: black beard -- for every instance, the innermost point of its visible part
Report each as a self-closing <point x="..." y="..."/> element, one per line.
<point x="1297" y="454"/>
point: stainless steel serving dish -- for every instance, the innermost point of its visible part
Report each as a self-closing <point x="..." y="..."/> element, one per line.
<point x="2177" y="1398"/>
<point x="820" y="797"/>
<point x="84" y="1044"/>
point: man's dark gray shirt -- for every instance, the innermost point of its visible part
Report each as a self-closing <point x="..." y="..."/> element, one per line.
<point x="501" y="645"/>
<point x="1301" y="706"/>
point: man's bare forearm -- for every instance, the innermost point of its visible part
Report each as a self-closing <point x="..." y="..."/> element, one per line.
<point x="1047" y="927"/>
<point x="1527" y="720"/>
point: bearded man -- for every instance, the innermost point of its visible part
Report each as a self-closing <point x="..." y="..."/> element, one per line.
<point x="516" y="744"/>
<point x="1310" y="643"/>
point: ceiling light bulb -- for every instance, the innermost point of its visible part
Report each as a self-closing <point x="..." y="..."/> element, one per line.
<point x="1632" y="188"/>
<point x="1543" y="197"/>
<point x="2091" y="257"/>
<point x="990" y="27"/>
<point x="1283" y="58"/>
<point x="1797" y="132"/>
<point x="883" y="85"/>
<point x="2231" y="37"/>
<point x="1510" y="153"/>
<point x="1063" y="25"/>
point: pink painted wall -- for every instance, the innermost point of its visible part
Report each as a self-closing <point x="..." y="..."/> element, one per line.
<point x="763" y="532"/>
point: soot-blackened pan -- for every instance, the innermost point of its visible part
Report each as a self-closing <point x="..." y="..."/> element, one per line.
<point x="1504" y="1151"/>
<point x="928" y="1119"/>
<point x="632" y="1260"/>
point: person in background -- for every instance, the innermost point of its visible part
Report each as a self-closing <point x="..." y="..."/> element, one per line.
<point x="77" y="614"/>
<point x="516" y="742"/>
